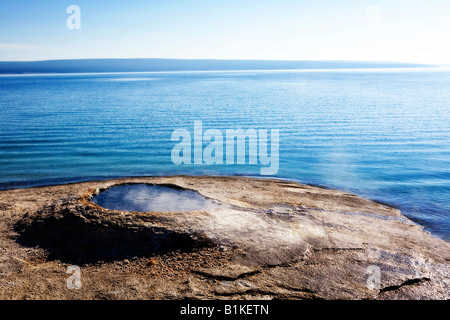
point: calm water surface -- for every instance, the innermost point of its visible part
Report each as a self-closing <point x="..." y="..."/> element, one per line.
<point x="382" y="134"/>
<point x="145" y="198"/>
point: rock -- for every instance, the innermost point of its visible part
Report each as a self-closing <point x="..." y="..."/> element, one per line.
<point x="151" y="262"/>
<point x="282" y="240"/>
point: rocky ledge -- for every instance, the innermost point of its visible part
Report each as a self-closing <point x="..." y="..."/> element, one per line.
<point x="265" y="239"/>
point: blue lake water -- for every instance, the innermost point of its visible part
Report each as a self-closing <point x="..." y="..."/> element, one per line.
<point x="382" y="134"/>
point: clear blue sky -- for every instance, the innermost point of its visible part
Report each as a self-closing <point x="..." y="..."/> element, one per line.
<point x="410" y="31"/>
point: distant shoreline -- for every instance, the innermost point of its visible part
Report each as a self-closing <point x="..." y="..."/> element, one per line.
<point x="406" y="69"/>
<point x="187" y="65"/>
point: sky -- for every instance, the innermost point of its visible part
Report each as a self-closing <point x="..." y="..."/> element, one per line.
<point x="362" y="30"/>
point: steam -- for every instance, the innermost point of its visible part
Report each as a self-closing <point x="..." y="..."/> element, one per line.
<point x="266" y="237"/>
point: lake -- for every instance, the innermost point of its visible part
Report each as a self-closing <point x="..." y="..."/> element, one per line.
<point x="380" y="133"/>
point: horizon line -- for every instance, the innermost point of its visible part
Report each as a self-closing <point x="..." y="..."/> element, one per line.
<point x="234" y="59"/>
<point x="108" y="65"/>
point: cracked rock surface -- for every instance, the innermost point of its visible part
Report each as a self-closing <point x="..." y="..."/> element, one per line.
<point x="265" y="239"/>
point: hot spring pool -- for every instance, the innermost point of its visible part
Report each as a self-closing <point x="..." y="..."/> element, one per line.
<point x="147" y="197"/>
